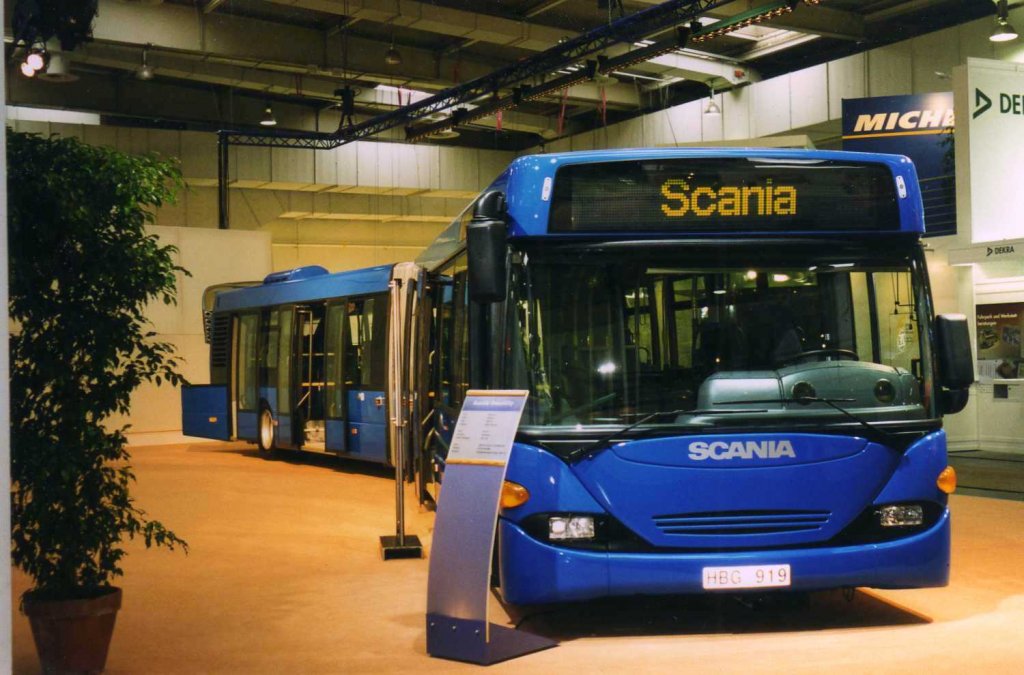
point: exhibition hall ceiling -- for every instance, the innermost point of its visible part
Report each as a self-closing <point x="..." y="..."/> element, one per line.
<point x="215" y="64"/>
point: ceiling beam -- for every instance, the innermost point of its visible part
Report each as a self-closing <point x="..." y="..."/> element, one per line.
<point x="819" y="20"/>
<point x="212" y="5"/>
<point x="301" y="52"/>
<point x="369" y="101"/>
<point x="542" y="7"/>
<point x="899" y="9"/>
<point x="432" y="18"/>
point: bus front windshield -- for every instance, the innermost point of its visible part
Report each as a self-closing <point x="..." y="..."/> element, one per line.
<point x="607" y="335"/>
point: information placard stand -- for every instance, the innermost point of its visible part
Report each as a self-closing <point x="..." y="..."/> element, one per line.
<point x="459" y="589"/>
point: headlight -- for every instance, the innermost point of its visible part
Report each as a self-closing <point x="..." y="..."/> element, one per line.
<point x="900" y="515"/>
<point x="563" y="528"/>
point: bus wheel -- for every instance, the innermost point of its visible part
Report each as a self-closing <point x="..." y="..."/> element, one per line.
<point x="265" y="437"/>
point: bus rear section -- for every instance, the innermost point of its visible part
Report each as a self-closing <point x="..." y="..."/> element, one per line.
<point x="305" y="361"/>
<point x="736" y="378"/>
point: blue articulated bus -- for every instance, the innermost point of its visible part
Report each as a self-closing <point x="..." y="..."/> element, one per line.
<point x="736" y="377"/>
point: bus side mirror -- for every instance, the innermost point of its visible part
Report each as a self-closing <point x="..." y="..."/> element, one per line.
<point x="955" y="361"/>
<point x="486" y="244"/>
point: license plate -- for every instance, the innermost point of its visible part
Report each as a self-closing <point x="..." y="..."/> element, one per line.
<point x="746" y="576"/>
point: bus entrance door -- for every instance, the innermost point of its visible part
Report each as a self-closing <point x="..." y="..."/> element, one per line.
<point x="309" y="409"/>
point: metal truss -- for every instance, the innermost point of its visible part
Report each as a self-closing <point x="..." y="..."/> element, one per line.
<point x="627" y="29"/>
<point x="534" y="70"/>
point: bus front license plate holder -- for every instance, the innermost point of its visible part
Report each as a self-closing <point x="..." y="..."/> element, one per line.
<point x="746" y="576"/>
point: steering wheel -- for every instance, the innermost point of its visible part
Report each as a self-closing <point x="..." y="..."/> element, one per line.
<point x="813" y="353"/>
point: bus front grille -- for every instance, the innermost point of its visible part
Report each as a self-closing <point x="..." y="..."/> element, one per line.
<point x="736" y="523"/>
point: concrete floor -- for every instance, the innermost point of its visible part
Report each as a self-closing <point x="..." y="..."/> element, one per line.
<point x="284" y="577"/>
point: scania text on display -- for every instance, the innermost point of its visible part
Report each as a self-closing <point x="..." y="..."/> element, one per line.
<point x="736" y="378"/>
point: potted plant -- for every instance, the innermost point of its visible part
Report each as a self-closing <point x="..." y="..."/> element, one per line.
<point x="82" y="270"/>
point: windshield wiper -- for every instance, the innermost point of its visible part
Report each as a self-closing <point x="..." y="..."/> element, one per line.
<point x="833" y="403"/>
<point x="605" y="441"/>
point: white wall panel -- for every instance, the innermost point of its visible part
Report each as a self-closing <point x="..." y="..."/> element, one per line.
<point x="376" y="163"/>
<point x="107" y="136"/>
<point x="736" y="114"/>
<point x="427" y="167"/>
<point x="291" y="165"/>
<point x="770" y="103"/>
<point x="808" y="96"/>
<point x="165" y="142"/>
<point x="249" y="165"/>
<point x="492" y="163"/>
<point x="198" y="154"/>
<point x="684" y="122"/>
<point x="889" y="70"/>
<point x="932" y="54"/>
<point x="201" y="205"/>
<point x="846" y="79"/>
<point x="459" y="169"/>
<point x="656" y="128"/>
<point x="325" y="167"/>
<point x="584" y="141"/>
<point x="629" y="134"/>
<point x="560" y="145"/>
<point x="347" y="162"/>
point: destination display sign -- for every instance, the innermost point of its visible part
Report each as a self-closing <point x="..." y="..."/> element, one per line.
<point x="725" y="194"/>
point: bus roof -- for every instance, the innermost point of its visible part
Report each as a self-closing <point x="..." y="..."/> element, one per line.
<point x="528" y="186"/>
<point x="304" y="284"/>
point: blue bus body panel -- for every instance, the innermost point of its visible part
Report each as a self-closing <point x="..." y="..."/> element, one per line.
<point x="367" y="426"/>
<point x="204" y="411"/>
<point x="771" y="502"/>
<point x="335" y="432"/>
<point x="533" y="572"/>
<point x="342" y="284"/>
<point x="528" y="209"/>
<point x="248" y="425"/>
<point x="845" y="476"/>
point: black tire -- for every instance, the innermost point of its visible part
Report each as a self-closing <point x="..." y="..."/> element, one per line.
<point x="265" y="434"/>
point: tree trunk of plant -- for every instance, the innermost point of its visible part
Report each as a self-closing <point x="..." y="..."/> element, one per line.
<point x="72" y="636"/>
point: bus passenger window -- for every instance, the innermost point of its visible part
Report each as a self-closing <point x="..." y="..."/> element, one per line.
<point x="366" y="343"/>
<point x="284" y="360"/>
<point x="247" y="395"/>
<point x="453" y="335"/>
<point x="269" y="335"/>
<point x="335" y="362"/>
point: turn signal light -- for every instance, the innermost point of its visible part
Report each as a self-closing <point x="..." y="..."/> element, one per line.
<point x="513" y="495"/>
<point x="947" y="480"/>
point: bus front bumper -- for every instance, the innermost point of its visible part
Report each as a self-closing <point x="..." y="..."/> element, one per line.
<point x="535" y="572"/>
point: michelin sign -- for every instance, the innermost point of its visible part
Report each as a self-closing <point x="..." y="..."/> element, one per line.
<point x="920" y="127"/>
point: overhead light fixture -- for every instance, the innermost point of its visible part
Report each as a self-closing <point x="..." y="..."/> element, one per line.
<point x="713" y="109"/>
<point x="145" y="72"/>
<point x="57" y="70"/>
<point x="268" y="118"/>
<point x="392" y="57"/>
<point x="36" y="58"/>
<point x="1003" y="31"/>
